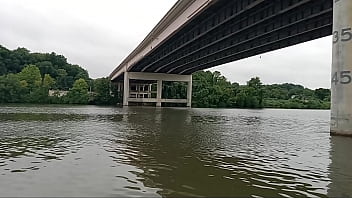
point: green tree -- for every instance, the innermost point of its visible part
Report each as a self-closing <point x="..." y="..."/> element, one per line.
<point x="48" y="81"/>
<point x="255" y="83"/>
<point x="211" y="89"/>
<point x="11" y="90"/>
<point x="323" y="94"/>
<point x="79" y="92"/>
<point x="31" y="75"/>
<point x="256" y="93"/>
<point x="41" y="94"/>
<point x="46" y="67"/>
<point x="102" y="91"/>
<point x="62" y="82"/>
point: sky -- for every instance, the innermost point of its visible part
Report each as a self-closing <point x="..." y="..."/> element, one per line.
<point x="99" y="34"/>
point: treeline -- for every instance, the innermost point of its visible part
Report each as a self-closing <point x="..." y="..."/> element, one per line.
<point x="27" y="78"/>
<point x="212" y="90"/>
<point x="48" y="78"/>
<point x="64" y="74"/>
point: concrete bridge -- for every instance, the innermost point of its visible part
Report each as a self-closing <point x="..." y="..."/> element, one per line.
<point x="200" y="34"/>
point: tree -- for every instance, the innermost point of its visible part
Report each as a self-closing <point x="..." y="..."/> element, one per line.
<point x="11" y="90"/>
<point x="31" y="75"/>
<point x="61" y="81"/>
<point x="323" y="94"/>
<point x="79" y="92"/>
<point x="211" y="89"/>
<point x="48" y="81"/>
<point x="102" y="91"/>
<point x="255" y="83"/>
<point x="41" y="94"/>
<point x="255" y="96"/>
<point x="46" y="67"/>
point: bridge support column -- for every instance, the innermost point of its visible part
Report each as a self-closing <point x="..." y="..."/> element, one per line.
<point x="159" y="92"/>
<point x="341" y="80"/>
<point x="189" y="92"/>
<point x="126" y="89"/>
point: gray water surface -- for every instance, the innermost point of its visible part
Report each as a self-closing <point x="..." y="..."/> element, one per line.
<point x="171" y="152"/>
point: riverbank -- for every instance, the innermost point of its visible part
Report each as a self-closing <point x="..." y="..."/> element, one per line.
<point x="152" y="106"/>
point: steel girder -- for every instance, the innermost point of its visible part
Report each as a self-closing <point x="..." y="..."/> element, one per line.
<point x="237" y="29"/>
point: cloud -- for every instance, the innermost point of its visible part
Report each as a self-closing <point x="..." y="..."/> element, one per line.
<point x="94" y="34"/>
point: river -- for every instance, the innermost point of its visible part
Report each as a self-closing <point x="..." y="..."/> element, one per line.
<point x="48" y="150"/>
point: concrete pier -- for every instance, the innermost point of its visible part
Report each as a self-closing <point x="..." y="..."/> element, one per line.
<point x="341" y="74"/>
<point x="126" y="89"/>
<point x="144" y="96"/>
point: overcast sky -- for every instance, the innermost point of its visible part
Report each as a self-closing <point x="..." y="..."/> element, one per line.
<point x="99" y="34"/>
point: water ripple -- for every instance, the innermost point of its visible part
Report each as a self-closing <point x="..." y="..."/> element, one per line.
<point x="103" y="151"/>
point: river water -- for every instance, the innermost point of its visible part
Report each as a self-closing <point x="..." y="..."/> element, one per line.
<point x="171" y="152"/>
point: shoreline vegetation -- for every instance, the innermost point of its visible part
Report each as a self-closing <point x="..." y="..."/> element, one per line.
<point x="47" y="78"/>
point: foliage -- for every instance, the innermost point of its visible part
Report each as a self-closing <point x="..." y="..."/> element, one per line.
<point x="174" y="90"/>
<point x="13" y="61"/>
<point x="27" y="77"/>
<point x="210" y="89"/>
<point x="48" y="81"/>
<point x="102" y="93"/>
<point x="28" y="86"/>
<point x="322" y="94"/>
<point x="11" y="90"/>
<point x="79" y="92"/>
<point x="30" y="76"/>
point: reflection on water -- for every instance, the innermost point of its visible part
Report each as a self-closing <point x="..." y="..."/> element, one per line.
<point x="151" y="152"/>
<point x="341" y="167"/>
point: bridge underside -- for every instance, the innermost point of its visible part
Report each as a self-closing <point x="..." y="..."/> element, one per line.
<point x="208" y="33"/>
<point x="231" y="30"/>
